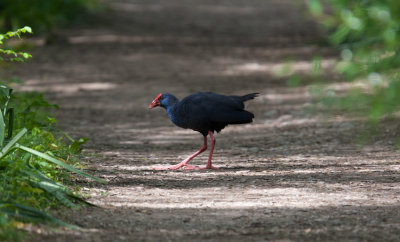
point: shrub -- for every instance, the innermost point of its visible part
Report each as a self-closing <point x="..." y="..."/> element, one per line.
<point x="42" y="15"/>
<point x="32" y="151"/>
<point x="367" y="34"/>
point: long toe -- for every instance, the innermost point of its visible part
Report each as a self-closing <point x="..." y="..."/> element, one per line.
<point x="175" y="167"/>
<point x="190" y="167"/>
<point x="160" y="168"/>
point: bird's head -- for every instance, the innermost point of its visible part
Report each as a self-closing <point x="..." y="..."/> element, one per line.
<point x="157" y="101"/>
<point x="164" y="100"/>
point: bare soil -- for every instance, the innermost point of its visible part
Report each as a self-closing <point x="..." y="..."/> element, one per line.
<point x="289" y="176"/>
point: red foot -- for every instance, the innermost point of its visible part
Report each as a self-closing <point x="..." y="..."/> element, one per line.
<point x="209" y="167"/>
<point x="186" y="167"/>
<point x="190" y="167"/>
<point x="184" y="163"/>
<point x="175" y="167"/>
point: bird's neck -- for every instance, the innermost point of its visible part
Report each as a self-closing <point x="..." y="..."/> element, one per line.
<point x="173" y="101"/>
<point x="171" y="109"/>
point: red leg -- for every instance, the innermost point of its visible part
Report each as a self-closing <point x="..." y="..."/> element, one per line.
<point x="186" y="161"/>
<point x="209" y="164"/>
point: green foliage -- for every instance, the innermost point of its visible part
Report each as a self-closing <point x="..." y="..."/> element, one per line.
<point x="8" y="231"/>
<point x="30" y="161"/>
<point x="294" y="80"/>
<point x="367" y="34"/>
<point x="42" y="15"/>
<point x="9" y="54"/>
<point x="27" y="108"/>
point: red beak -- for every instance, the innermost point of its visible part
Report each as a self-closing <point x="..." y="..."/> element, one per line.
<point x="155" y="102"/>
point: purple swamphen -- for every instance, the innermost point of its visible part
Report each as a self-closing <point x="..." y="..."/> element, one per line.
<point x="204" y="112"/>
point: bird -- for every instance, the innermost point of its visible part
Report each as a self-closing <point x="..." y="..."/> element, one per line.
<point x="205" y="112"/>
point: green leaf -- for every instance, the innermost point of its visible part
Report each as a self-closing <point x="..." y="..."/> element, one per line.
<point x="60" y="192"/>
<point x="27" y="29"/>
<point x="2" y="129"/>
<point x="69" y="137"/>
<point x="17" y="59"/>
<point x="58" y="162"/>
<point x="340" y="34"/>
<point x="6" y="92"/>
<point x="18" y="210"/>
<point x="316" y="65"/>
<point x="315" y="7"/>
<point x="13" y="142"/>
<point x="76" y="145"/>
<point x="26" y="55"/>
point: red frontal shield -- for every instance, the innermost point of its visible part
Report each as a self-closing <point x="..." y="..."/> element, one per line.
<point x="156" y="101"/>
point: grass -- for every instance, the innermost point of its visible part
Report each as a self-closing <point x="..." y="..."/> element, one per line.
<point x="36" y="159"/>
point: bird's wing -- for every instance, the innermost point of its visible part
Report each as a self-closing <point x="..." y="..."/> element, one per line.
<point x="216" y="108"/>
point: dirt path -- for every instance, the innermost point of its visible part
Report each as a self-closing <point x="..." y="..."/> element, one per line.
<point x="285" y="177"/>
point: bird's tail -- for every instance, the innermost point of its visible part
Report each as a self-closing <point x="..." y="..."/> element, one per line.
<point x="249" y="96"/>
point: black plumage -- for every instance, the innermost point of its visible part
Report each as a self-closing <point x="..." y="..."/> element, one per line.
<point x="205" y="112"/>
